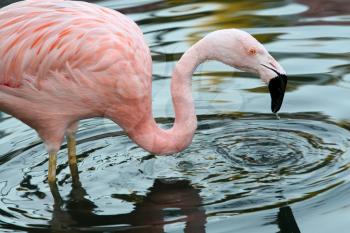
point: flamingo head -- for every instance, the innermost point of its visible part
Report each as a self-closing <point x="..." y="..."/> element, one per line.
<point x="239" y="49"/>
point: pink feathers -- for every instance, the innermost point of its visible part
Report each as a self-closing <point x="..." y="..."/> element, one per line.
<point x="42" y="36"/>
<point x="69" y="61"/>
<point x="63" y="61"/>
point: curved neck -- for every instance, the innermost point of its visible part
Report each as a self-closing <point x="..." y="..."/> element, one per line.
<point x="160" y="141"/>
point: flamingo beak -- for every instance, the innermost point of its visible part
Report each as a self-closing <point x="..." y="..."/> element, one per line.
<point x="277" y="88"/>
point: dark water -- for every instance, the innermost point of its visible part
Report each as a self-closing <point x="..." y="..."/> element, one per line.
<point x="244" y="172"/>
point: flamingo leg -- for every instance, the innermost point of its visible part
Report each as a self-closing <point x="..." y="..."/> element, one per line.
<point x="52" y="168"/>
<point x="56" y="195"/>
<point x="72" y="158"/>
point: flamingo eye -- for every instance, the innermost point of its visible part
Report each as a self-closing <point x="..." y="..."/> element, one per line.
<point x="252" y="51"/>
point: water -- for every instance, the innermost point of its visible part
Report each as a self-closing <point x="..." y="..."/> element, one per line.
<point x="245" y="171"/>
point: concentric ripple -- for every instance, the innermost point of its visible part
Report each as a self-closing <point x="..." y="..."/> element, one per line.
<point x="236" y="164"/>
<point x="262" y="162"/>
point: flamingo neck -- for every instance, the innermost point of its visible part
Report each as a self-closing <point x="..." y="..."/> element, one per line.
<point x="149" y="135"/>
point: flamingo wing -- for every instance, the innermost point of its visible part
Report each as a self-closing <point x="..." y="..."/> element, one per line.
<point x="77" y="40"/>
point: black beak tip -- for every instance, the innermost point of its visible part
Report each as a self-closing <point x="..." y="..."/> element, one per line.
<point x="277" y="88"/>
<point x="275" y="109"/>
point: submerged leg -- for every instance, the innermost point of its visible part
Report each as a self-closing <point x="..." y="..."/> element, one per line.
<point x="52" y="167"/>
<point x="58" y="201"/>
<point x="72" y="158"/>
<point x="52" y="179"/>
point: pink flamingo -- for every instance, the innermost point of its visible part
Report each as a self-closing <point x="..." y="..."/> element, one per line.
<point x="63" y="61"/>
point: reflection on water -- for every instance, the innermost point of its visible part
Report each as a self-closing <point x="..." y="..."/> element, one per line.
<point x="321" y="8"/>
<point x="238" y="164"/>
<point x="286" y="221"/>
<point x="245" y="172"/>
<point x="168" y="201"/>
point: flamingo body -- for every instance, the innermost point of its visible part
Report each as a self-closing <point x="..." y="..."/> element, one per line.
<point x="63" y="61"/>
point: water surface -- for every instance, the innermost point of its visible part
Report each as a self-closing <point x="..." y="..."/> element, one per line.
<point x="244" y="172"/>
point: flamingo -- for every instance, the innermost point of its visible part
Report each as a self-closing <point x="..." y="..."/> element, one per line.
<point x="63" y="61"/>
